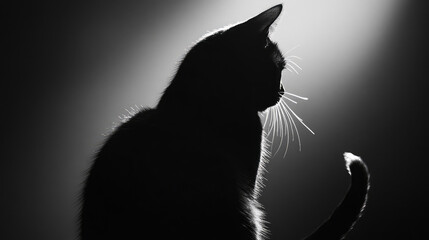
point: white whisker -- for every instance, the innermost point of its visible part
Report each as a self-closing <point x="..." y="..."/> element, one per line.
<point x="290" y="50"/>
<point x="285" y="129"/>
<point x="292" y="127"/>
<point x="279" y="125"/>
<point x="284" y="97"/>
<point x="278" y="118"/>
<point x="293" y="124"/>
<point x="274" y="126"/>
<point x="287" y="64"/>
<point x="289" y="119"/>
<point x="270" y="124"/>
<point x="288" y="132"/>
<point x="292" y="56"/>
<point x="266" y="118"/>
<point x="281" y="128"/>
<point x="294" y="63"/>
<point x="296" y="130"/>
<point x="300" y="120"/>
<point x="294" y="95"/>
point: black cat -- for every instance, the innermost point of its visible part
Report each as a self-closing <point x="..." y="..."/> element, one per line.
<point x="191" y="167"/>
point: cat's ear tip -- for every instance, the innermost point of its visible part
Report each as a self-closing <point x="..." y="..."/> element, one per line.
<point x="262" y="22"/>
<point x="278" y="8"/>
<point x="273" y="13"/>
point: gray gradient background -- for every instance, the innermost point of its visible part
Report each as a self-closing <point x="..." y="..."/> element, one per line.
<point x="74" y="68"/>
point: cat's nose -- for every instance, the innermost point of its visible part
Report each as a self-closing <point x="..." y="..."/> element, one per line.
<point x="282" y="90"/>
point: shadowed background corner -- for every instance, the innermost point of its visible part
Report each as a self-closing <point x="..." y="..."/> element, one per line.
<point x="75" y="67"/>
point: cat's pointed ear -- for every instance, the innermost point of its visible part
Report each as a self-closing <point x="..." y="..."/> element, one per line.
<point x="262" y="22"/>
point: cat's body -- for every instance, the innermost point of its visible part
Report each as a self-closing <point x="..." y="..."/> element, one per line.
<point x="191" y="167"/>
<point x="187" y="184"/>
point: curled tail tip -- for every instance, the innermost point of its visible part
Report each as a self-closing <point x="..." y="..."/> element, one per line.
<point x="353" y="160"/>
<point x="350" y="157"/>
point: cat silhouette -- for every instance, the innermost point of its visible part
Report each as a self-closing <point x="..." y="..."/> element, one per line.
<point x="191" y="167"/>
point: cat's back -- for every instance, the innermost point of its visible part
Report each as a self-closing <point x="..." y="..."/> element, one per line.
<point x="135" y="150"/>
<point x="127" y="140"/>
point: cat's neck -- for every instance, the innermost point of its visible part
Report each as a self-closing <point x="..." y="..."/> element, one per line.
<point x="216" y="125"/>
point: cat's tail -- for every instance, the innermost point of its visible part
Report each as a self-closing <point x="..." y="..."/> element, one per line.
<point x="348" y="212"/>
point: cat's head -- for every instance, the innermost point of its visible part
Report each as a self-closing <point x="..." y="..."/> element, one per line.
<point x="236" y="66"/>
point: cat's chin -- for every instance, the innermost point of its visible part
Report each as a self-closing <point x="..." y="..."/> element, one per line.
<point x="281" y="91"/>
<point x="278" y="96"/>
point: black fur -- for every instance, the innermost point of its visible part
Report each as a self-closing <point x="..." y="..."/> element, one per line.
<point x="190" y="168"/>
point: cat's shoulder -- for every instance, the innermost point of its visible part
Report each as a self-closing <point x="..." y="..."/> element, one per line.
<point x="141" y="123"/>
<point x="140" y="119"/>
